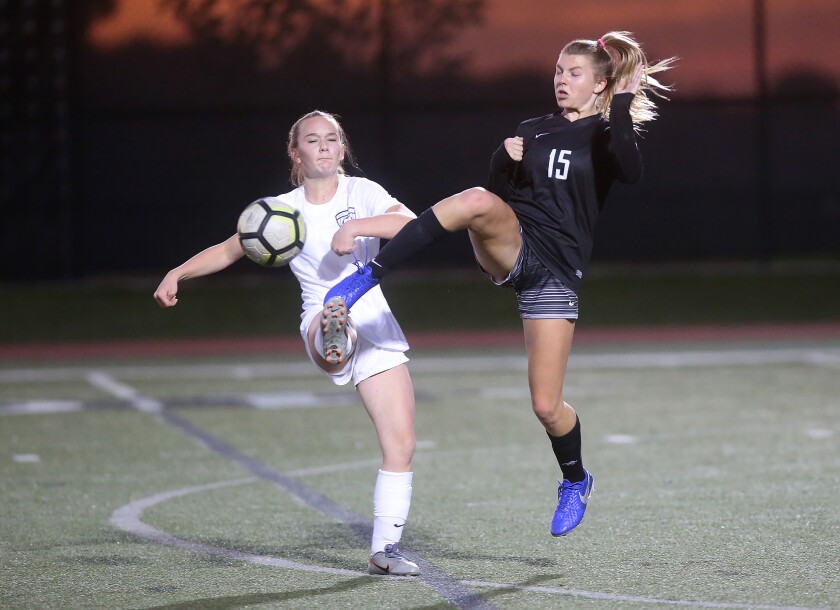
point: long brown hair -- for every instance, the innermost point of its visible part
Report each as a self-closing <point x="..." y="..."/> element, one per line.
<point x="614" y="56"/>
<point x="296" y="176"/>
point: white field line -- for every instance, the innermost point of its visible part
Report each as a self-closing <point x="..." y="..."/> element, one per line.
<point x="829" y="358"/>
<point x="108" y="384"/>
<point x="129" y="519"/>
<point x="37" y="407"/>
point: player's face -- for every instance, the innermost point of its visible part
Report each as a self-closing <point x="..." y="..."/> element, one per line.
<point x="575" y="87"/>
<point x="319" y="149"/>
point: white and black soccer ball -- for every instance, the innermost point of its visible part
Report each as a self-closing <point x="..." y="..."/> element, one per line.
<point x="271" y="232"/>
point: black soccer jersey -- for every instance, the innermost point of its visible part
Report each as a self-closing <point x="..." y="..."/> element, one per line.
<point x="561" y="184"/>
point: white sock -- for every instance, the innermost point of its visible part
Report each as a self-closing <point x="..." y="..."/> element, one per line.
<point x="391" y="500"/>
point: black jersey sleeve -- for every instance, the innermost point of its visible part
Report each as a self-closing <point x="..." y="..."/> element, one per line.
<point x="623" y="149"/>
<point x="502" y="174"/>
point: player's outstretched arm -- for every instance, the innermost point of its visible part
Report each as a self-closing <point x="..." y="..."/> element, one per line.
<point x="384" y="226"/>
<point x="213" y="259"/>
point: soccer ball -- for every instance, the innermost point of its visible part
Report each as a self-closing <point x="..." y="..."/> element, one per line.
<point x="271" y="232"/>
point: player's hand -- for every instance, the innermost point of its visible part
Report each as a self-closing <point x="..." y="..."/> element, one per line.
<point x="344" y="240"/>
<point x="166" y="294"/>
<point x="633" y="82"/>
<point x="515" y="148"/>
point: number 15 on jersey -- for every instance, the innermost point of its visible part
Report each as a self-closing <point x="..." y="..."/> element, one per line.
<point x="558" y="164"/>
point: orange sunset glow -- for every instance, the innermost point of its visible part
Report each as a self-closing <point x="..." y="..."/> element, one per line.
<point x="712" y="38"/>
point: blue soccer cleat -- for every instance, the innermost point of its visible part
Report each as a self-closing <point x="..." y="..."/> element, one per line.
<point x="571" y="504"/>
<point x="353" y="287"/>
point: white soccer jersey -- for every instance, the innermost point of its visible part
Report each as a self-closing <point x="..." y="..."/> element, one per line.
<point x="317" y="268"/>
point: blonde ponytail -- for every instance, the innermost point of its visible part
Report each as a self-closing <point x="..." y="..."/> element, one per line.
<point x="614" y="57"/>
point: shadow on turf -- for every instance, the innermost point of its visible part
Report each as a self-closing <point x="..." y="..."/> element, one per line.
<point x="424" y="541"/>
<point x="488" y="595"/>
<point x="242" y="601"/>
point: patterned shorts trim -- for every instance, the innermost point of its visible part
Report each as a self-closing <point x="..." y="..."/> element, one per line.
<point x="539" y="293"/>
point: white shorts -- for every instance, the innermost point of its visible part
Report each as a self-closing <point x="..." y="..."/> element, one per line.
<point x="366" y="360"/>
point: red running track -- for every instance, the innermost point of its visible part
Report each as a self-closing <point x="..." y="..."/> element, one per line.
<point x="444" y="340"/>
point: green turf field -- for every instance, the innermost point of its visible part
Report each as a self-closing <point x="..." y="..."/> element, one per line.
<point x="246" y="482"/>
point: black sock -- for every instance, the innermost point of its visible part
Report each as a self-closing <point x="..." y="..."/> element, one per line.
<point x="413" y="237"/>
<point x="568" y="453"/>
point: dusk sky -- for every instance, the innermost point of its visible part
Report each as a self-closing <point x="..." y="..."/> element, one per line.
<point x="712" y="38"/>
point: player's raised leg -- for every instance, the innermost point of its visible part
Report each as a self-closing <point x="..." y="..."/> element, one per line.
<point x="493" y="229"/>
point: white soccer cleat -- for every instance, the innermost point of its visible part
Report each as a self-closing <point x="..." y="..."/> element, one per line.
<point x="391" y="562"/>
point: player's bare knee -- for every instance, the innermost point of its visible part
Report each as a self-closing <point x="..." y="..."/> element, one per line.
<point x="407" y="447"/>
<point x="470" y="205"/>
<point x="399" y="457"/>
<point x="401" y="442"/>
<point x="476" y="202"/>
<point x="549" y="412"/>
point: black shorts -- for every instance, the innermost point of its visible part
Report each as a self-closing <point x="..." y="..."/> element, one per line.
<point x="541" y="295"/>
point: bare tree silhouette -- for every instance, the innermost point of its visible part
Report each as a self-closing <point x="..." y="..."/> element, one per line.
<point x="412" y="34"/>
